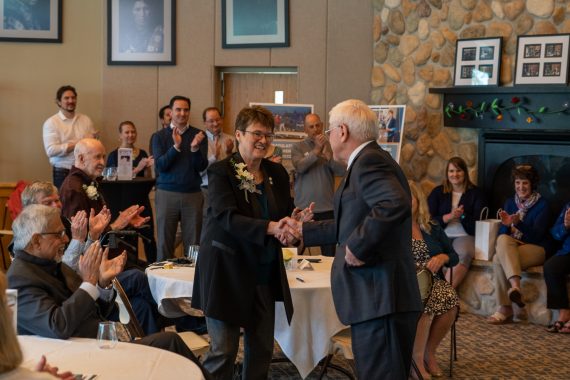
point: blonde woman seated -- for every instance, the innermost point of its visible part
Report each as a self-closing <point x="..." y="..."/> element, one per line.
<point x="10" y="352"/>
<point x="432" y="249"/>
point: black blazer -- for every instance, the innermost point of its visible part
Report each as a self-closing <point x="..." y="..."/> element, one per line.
<point x="373" y="217"/>
<point x="50" y="302"/>
<point x="234" y="243"/>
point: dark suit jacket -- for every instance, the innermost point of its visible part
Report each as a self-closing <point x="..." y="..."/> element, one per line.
<point x="234" y="244"/>
<point x="372" y="217"/>
<point x="50" y="302"/>
<point x="73" y="195"/>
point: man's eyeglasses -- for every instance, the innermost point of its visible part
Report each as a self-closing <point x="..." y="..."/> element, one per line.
<point x="328" y="131"/>
<point x="259" y="135"/>
<point x="60" y="233"/>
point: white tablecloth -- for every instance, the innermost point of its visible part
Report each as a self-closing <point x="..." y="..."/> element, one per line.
<point x="172" y="290"/>
<point x="314" y="322"/>
<point x="306" y="341"/>
<point x="126" y="361"/>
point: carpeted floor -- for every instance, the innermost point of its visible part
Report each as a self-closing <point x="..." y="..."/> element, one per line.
<point x="513" y="351"/>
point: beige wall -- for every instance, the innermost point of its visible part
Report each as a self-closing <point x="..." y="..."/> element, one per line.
<point x="330" y="45"/>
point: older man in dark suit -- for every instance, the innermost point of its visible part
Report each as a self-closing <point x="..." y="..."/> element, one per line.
<point x="53" y="300"/>
<point x="374" y="283"/>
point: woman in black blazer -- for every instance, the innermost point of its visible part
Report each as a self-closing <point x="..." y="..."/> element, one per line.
<point x="240" y="272"/>
<point x="456" y="205"/>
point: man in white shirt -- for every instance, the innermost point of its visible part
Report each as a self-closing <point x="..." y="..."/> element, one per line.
<point x="220" y="144"/>
<point x="63" y="130"/>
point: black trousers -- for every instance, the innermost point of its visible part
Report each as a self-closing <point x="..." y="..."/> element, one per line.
<point x="383" y="346"/>
<point x="556" y="270"/>
<point x="59" y="175"/>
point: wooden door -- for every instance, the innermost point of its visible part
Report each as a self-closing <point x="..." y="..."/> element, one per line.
<point x="238" y="89"/>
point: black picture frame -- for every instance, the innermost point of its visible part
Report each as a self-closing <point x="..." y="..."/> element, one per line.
<point x="242" y="25"/>
<point x="141" y="33"/>
<point x="542" y="60"/>
<point x="38" y="22"/>
<point x="478" y="62"/>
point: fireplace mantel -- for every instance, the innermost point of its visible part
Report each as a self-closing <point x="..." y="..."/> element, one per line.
<point x="554" y="101"/>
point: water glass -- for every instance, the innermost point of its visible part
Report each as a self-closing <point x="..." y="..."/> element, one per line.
<point x="192" y="253"/>
<point x="12" y="301"/>
<point x="110" y="173"/>
<point x="107" y="335"/>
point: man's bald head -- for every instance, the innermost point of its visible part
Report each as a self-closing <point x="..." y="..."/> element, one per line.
<point x="90" y="157"/>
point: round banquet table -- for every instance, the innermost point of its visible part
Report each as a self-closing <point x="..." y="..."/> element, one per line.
<point x="125" y="361"/>
<point x="314" y="322"/>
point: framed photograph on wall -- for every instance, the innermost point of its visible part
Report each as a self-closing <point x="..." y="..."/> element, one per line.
<point x="390" y="128"/>
<point x="255" y="24"/>
<point x="477" y="62"/>
<point x="141" y="32"/>
<point x="30" y="21"/>
<point x="542" y="59"/>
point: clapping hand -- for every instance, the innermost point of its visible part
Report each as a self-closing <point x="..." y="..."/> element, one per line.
<point x="79" y="226"/>
<point x="130" y="216"/>
<point x="109" y="269"/>
<point x="98" y="223"/>
<point x="177" y="138"/>
<point x="305" y="215"/>
<point x="43" y="366"/>
<point x="507" y="219"/>
<point x="567" y="219"/>
<point x="195" y="144"/>
<point x="90" y="262"/>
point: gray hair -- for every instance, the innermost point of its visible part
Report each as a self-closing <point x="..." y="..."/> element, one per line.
<point x="30" y="194"/>
<point x="358" y="117"/>
<point x="33" y="219"/>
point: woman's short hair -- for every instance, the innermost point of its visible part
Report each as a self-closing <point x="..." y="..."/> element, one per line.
<point x="34" y="219"/>
<point x="459" y="163"/>
<point x="10" y="352"/>
<point x="254" y="114"/>
<point x="30" y="194"/>
<point x="423" y="216"/>
<point x="526" y="171"/>
<point x="358" y="117"/>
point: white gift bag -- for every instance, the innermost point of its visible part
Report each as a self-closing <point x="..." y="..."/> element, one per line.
<point x="486" y="231"/>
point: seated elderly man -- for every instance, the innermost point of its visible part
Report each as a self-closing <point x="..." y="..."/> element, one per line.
<point x="79" y="190"/>
<point x="53" y="300"/>
<point x="81" y="233"/>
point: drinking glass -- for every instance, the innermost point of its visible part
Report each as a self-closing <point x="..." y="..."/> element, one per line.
<point x="110" y="173"/>
<point x="107" y="335"/>
<point x="192" y="253"/>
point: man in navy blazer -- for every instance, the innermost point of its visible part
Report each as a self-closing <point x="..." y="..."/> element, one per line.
<point x="374" y="283"/>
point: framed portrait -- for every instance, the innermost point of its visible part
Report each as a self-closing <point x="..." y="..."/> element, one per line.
<point x="542" y="59"/>
<point x="30" y="21"/>
<point x="477" y="62"/>
<point x="255" y="24"/>
<point x="289" y="127"/>
<point x="390" y="128"/>
<point x="141" y="32"/>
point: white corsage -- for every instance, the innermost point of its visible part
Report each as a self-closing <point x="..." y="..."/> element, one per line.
<point x="91" y="191"/>
<point x="247" y="180"/>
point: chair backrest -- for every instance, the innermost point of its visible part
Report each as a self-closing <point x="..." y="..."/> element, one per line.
<point x="425" y="282"/>
<point x="127" y="315"/>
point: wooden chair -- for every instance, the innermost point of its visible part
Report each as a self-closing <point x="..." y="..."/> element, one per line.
<point x="340" y="343"/>
<point x="195" y="342"/>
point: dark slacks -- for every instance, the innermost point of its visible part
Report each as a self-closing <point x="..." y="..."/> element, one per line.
<point x="258" y="341"/>
<point x="171" y="342"/>
<point x="383" y="346"/>
<point x="556" y="270"/>
<point x="59" y="175"/>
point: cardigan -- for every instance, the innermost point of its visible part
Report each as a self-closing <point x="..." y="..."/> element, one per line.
<point x="473" y="201"/>
<point x="561" y="233"/>
<point x="437" y="243"/>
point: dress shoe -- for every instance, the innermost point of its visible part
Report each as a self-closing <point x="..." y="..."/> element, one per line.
<point x="516" y="296"/>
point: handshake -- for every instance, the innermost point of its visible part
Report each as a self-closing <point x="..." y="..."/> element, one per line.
<point x="289" y="230"/>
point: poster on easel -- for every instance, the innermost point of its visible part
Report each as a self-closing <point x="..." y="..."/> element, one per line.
<point x="125" y="165"/>
<point x="289" y="127"/>
<point x="390" y="128"/>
